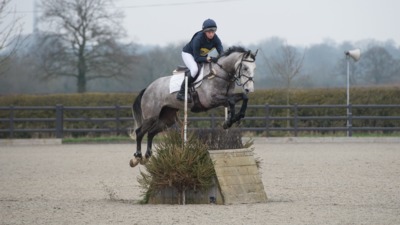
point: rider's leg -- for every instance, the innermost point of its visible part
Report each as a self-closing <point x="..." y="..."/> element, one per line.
<point x="193" y="69"/>
<point x="181" y="93"/>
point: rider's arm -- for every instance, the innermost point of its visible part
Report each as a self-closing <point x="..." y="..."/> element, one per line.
<point x="218" y="44"/>
<point x="196" y="45"/>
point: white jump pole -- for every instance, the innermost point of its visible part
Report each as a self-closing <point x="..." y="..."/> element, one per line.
<point x="185" y="112"/>
<point x="348" y="96"/>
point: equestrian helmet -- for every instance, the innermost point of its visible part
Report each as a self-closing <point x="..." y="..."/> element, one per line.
<point x="209" y="25"/>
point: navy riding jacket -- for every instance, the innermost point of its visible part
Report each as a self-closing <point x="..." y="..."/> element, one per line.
<point x="200" y="45"/>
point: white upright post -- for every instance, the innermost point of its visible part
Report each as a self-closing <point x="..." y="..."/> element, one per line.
<point x="185" y="112"/>
<point x="348" y="95"/>
<point x="355" y="55"/>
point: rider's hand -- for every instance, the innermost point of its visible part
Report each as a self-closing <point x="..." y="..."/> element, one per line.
<point x="214" y="59"/>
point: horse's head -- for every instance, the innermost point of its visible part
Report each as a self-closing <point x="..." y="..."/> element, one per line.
<point x="239" y="65"/>
<point x="245" y="71"/>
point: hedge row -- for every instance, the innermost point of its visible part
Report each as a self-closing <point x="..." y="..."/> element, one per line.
<point x="90" y="99"/>
<point x="381" y="95"/>
<point x="358" y="96"/>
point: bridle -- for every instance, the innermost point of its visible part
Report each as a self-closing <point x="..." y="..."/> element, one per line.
<point x="236" y="77"/>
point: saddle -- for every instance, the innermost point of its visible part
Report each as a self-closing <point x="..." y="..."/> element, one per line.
<point x="197" y="106"/>
<point x="180" y="69"/>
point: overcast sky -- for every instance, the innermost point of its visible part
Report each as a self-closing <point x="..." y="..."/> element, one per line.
<point x="300" y="22"/>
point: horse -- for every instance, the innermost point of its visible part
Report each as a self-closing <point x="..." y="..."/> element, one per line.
<point x="155" y="109"/>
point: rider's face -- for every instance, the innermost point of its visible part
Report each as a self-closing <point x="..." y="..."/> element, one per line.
<point x="210" y="34"/>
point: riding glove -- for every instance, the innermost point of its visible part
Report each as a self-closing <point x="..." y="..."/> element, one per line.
<point x="214" y="59"/>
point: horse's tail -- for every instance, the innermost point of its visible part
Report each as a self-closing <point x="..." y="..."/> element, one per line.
<point x="137" y="113"/>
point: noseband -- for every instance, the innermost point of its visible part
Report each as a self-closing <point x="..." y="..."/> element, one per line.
<point x="237" y="75"/>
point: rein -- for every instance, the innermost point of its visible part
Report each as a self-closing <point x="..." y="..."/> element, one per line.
<point x="237" y="78"/>
<point x="237" y="75"/>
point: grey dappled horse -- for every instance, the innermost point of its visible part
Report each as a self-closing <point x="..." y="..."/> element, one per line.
<point x="155" y="108"/>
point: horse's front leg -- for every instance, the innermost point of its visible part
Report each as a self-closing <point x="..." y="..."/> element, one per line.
<point x="231" y="113"/>
<point x="243" y="108"/>
<point x="232" y="100"/>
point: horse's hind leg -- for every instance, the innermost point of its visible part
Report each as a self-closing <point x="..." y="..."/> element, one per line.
<point x="155" y="128"/>
<point x="139" y="138"/>
<point x="140" y="132"/>
<point x="167" y="119"/>
<point x="150" y="136"/>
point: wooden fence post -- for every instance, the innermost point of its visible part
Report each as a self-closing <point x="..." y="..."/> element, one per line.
<point x="59" y="121"/>
<point x="267" y="120"/>
<point x="350" y="119"/>
<point x="213" y="120"/>
<point x="11" y="121"/>
<point x="295" y="120"/>
<point x="117" y="119"/>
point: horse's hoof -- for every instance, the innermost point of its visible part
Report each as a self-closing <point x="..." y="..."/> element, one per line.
<point x="134" y="162"/>
<point x="144" y="161"/>
<point x="148" y="154"/>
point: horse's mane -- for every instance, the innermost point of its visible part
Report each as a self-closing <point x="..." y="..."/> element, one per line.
<point x="233" y="49"/>
<point x="239" y="49"/>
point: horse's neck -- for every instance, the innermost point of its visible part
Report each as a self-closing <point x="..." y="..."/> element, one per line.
<point x="225" y="69"/>
<point x="229" y="63"/>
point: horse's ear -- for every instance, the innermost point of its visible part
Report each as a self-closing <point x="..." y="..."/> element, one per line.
<point x="255" y="54"/>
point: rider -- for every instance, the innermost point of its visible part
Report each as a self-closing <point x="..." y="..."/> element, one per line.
<point x="196" y="51"/>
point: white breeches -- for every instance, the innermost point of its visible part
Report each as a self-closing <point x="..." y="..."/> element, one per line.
<point x="189" y="61"/>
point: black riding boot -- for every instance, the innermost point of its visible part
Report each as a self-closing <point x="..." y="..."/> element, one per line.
<point x="181" y="93"/>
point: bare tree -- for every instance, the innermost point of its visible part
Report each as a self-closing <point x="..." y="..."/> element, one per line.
<point x="83" y="37"/>
<point x="10" y="34"/>
<point x="379" y="66"/>
<point x="285" y="66"/>
<point x="166" y="60"/>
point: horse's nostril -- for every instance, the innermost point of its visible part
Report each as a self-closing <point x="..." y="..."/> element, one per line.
<point x="247" y="90"/>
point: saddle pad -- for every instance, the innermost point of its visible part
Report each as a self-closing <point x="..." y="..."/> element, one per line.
<point x="176" y="81"/>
